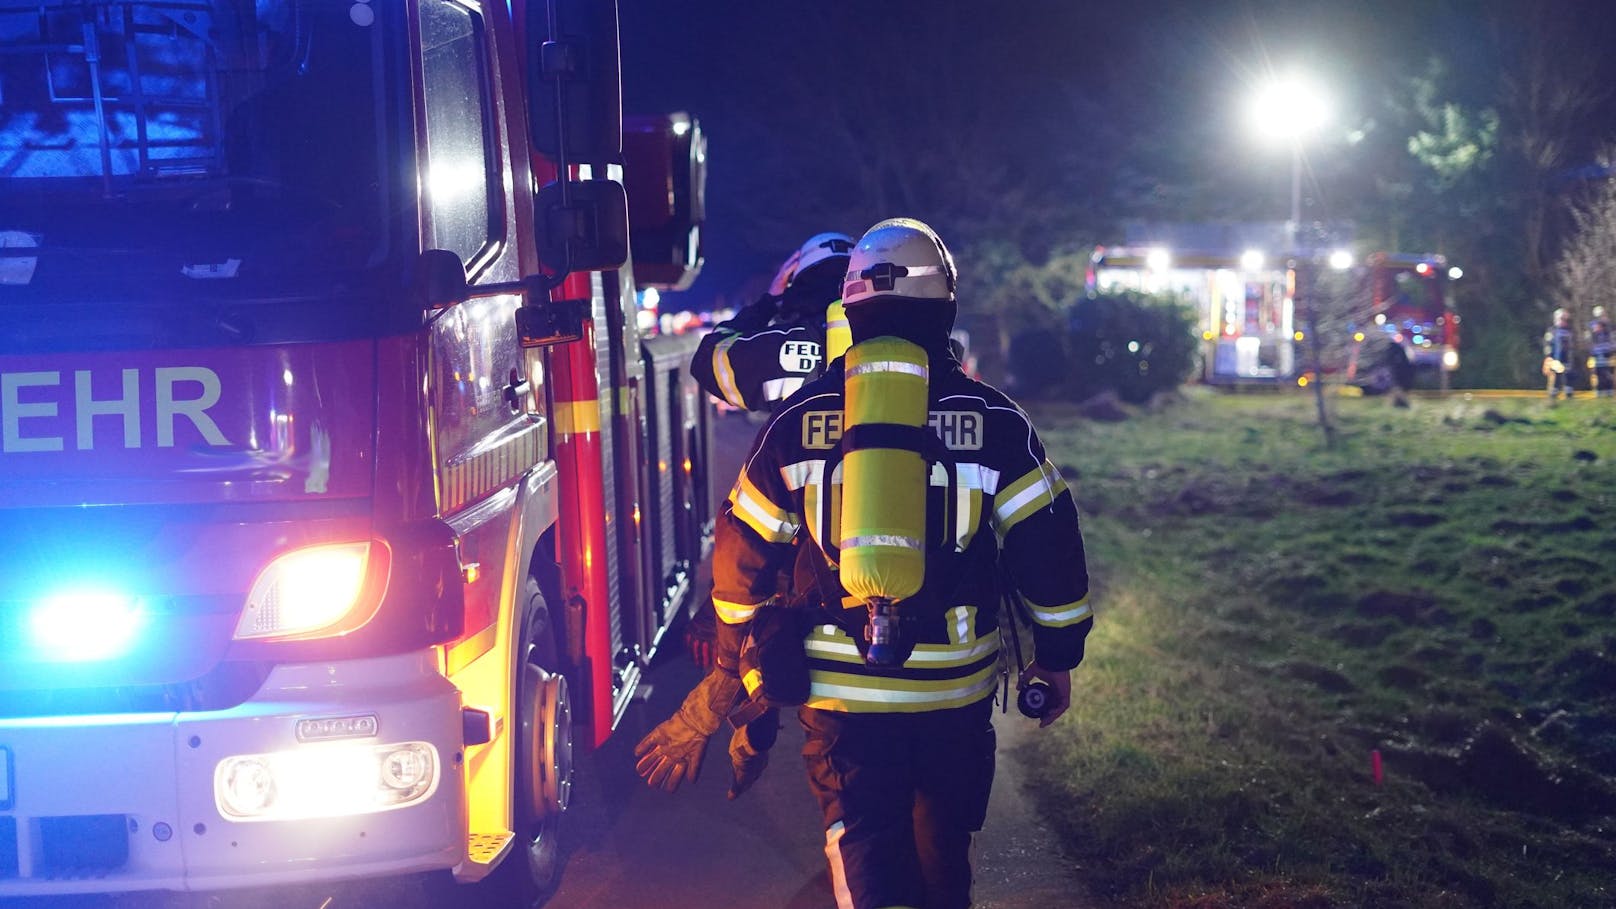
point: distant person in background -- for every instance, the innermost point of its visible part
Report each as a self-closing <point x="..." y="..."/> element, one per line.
<point x="1602" y="353"/>
<point x="1400" y="370"/>
<point x="1557" y="355"/>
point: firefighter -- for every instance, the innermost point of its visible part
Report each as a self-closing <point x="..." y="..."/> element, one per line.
<point x="771" y="347"/>
<point x="767" y="350"/>
<point x="899" y="677"/>
<point x="1602" y="354"/>
<point x="752" y="361"/>
<point x="1557" y="355"/>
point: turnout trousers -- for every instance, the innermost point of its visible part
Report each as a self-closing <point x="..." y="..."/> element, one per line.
<point x="901" y="793"/>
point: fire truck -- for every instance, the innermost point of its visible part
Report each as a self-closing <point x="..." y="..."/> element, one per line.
<point x="341" y="484"/>
<point x="1253" y="327"/>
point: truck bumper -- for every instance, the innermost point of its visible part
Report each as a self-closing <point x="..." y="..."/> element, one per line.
<point x="107" y="804"/>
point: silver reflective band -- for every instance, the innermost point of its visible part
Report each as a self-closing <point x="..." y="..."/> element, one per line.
<point x="881" y="539"/>
<point x="912" y="369"/>
<point x="920" y="271"/>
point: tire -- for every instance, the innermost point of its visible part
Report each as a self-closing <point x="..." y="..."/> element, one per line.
<point x="530" y="871"/>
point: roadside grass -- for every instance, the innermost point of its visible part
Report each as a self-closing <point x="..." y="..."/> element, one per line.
<point x="1439" y="586"/>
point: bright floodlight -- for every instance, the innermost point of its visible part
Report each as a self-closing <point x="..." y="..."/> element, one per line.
<point x="1158" y="259"/>
<point x="1251" y="259"/>
<point x="1289" y="109"/>
<point x="1340" y="260"/>
<point x="1455" y="273"/>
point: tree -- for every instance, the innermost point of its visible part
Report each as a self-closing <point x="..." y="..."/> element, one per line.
<point x="1586" y="268"/>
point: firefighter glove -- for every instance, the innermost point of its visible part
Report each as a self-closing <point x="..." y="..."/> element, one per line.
<point x="672" y="752"/>
<point x="749" y="751"/>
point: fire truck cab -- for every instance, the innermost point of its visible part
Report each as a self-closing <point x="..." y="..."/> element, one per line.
<point x="341" y="484"/>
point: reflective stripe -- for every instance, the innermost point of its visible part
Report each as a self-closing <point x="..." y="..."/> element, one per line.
<point x="961" y="630"/>
<point x="753" y="680"/>
<point x="1032" y="491"/>
<point x="876" y="694"/>
<point x="771" y="522"/>
<point x="882" y="539"/>
<point x="733" y="613"/>
<point x="829" y="642"/>
<point x="780" y="389"/>
<point x="724" y="372"/>
<point x="913" y="369"/>
<point x="1061" y="616"/>
<point x="838" y="872"/>
<point x="576" y="417"/>
<point x="802" y="473"/>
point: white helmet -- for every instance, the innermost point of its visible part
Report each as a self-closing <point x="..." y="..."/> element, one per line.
<point x="899" y="257"/>
<point x="817" y="249"/>
<point x="1599" y="312"/>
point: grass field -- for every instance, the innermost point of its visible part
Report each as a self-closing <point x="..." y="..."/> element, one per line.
<point x="1437" y="587"/>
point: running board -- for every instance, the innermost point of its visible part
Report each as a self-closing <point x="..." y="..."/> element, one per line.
<point x="483" y="852"/>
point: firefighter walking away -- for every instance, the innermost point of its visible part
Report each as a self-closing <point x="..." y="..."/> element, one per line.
<point x="910" y="487"/>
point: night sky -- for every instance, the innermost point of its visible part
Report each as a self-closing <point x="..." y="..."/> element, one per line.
<point x="1045" y="122"/>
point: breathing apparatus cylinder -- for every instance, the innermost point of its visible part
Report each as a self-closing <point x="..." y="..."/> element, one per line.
<point x="838" y="336"/>
<point x="884" y="480"/>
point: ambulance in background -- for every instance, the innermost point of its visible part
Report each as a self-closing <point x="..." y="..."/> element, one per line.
<point x="341" y="484"/>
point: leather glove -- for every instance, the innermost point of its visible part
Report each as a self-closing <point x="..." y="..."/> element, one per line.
<point x="749" y="751"/>
<point x="700" y="633"/>
<point x="672" y="752"/>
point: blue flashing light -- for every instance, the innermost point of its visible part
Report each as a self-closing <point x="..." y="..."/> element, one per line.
<point x="1419" y="339"/>
<point x="86" y="626"/>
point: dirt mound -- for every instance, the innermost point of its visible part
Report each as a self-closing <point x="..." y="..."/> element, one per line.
<point x="1493" y="765"/>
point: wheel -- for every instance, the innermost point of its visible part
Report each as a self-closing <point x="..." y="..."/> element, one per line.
<point x="544" y="772"/>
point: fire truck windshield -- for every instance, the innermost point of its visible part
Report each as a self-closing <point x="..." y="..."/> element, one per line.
<point x="221" y="147"/>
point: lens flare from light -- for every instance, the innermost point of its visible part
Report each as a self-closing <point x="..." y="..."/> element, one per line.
<point x="82" y="627"/>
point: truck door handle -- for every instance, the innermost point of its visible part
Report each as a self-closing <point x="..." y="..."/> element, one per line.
<point x="516" y="390"/>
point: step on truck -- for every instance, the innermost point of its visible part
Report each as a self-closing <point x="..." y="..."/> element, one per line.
<point x="344" y="490"/>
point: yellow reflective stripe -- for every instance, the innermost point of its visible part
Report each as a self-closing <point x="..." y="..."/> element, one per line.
<point x="733" y="613"/>
<point x="876" y="694"/>
<point x="962" y="624"/>
<point x="753" y="680"/>
<point x="1061" y="616"/>
<point x="724" y="372"/>
<point x="1037" y="489"/>
<point x="575" y="417"/>
<point x="771" y="522"/>
<point x="828" y="642"/>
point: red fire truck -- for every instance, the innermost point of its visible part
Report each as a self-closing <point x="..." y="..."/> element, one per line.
<point x="339" y="485"/>
<point x="1249" y="320"/>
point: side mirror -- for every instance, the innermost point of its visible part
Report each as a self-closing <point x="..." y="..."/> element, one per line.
<point x="665" y="167"/>
<point x="583" y="225"/>
<point x="575" y="96"/>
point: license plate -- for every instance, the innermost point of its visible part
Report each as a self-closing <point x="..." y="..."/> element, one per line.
<point x="5" y="779"/>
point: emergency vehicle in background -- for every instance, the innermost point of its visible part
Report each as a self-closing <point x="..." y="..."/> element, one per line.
<point x="338" y="483"/>
<point x="1252" y="328"/>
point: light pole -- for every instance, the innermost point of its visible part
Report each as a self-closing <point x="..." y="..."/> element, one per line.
<point x="1289" y="110"/>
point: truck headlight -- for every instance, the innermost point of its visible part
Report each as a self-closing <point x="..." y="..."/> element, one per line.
<point x="315" y="592"/>
<point x="1450" y="360"/>
<point x="325" y="780"/>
